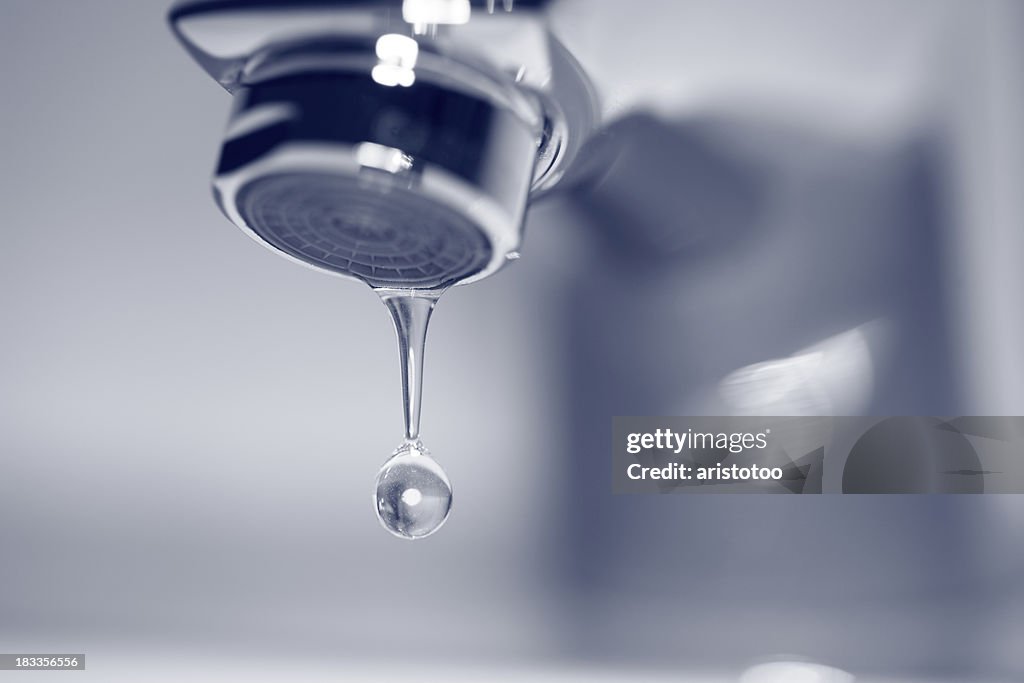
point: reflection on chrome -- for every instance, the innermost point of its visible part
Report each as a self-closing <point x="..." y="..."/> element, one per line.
<point x="397" y="55"/>
<point x="833" y="377"/>
<point x="426" y="12"/>
<point x="382" y="157"/>
<point x="508" y="5"/>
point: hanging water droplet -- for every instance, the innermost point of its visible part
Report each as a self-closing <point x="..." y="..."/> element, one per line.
<point x="413" y="496"/>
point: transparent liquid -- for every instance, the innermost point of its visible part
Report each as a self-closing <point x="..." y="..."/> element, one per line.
<point x="413" y="495"/>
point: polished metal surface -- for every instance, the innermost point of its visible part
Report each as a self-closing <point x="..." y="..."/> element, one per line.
<point x="419" y="187"/>
<point x="427" y="141"/>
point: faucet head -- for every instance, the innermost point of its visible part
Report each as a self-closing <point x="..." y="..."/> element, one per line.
<point x="397" y="153"/>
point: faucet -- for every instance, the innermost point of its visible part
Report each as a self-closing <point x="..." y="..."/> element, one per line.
<point x="396" y="143"/>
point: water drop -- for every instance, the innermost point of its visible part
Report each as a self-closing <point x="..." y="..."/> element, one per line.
<point x="410" y="312"/>
<point x="413" y="495"/>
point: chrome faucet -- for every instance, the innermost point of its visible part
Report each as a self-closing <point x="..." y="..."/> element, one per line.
<point x="397" y="143"/>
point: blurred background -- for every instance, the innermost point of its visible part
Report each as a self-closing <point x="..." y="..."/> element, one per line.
<point x="798" y="207"/>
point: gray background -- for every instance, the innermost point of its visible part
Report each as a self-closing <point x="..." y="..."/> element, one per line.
<point x="189" y="425"/>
